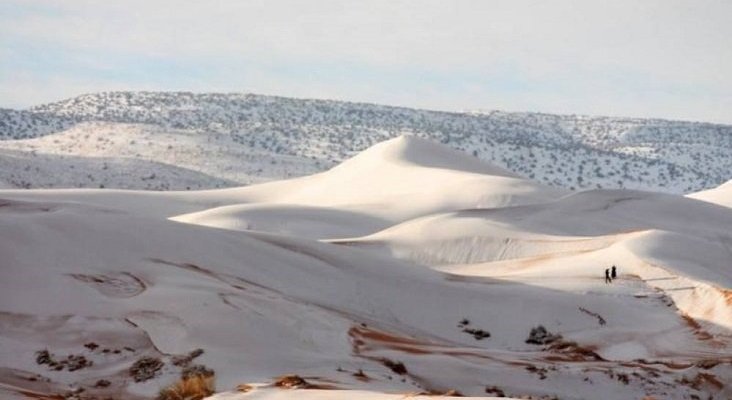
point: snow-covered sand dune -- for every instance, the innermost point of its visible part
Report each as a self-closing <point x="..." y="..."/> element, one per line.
<point x="409" y="269"/>
<point x="721" y="195"/>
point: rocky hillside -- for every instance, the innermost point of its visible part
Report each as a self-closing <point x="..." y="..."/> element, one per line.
<point x="245" y="138"/>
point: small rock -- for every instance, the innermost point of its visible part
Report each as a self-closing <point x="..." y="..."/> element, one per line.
<point x="91" y="346"/>
<point x="102" y="383"/>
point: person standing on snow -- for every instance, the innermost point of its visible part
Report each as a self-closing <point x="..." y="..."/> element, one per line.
<point x="613" y="273"/>
<point x="607" y="276"/>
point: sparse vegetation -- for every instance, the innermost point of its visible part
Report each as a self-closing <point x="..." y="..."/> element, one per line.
<point x="446" y="393"/>
<point x="559" y="150"/>
<point x="537" y="370"/>
<point x="573" y="350"/>
<point x="360" y="375"/>
<point x="478" y="334"/>
<point x="193" y="387"/>
<point x="395" y="366"/>
<point x="102" y="383"/>
<point x="196" y="370"/>
<point x="72" y="362"/>
<point x="540" y="336"/>
<point x="91" y="346"/>
<point x="495" y="391"/>
<point x="145" y="369"/>
<point x="43" y="357"/>
<point x="292" y="382"/>
<point x="244" y="388"/>
<point x="195" y="383"/>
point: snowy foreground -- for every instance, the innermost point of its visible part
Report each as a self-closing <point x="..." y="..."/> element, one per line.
<point x="408" y="270"/>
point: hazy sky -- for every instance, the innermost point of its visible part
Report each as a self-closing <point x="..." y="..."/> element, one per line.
<point x="665" y="58"/>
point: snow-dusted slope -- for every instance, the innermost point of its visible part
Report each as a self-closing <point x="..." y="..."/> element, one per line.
<point x="318" y="394"/>
<point x="30" y="170"/>
<point x="263" y="306"/>
<point x="217" y="157"/>
<point x="108" y="276"/>
<point x="645" y="233"/>
<point x="593" y="213"/>
<point x="396" y="180"/>
<point x="249" y="138"/>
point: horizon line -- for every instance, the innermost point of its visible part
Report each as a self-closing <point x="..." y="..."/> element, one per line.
<point x="474" y="112"/>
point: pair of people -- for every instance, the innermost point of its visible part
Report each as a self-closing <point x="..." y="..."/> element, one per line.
<point x="610" y="274"/>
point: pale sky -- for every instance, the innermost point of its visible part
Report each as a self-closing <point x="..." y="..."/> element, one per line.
<point x="656" y="58"/>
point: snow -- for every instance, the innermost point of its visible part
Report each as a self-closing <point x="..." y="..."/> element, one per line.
<point x="390" y="183"/>
<point x="400" y="253"/>
<point x="327" y="395"/>
<point x="236" y="139"/>
<point x="292" y="220"/>
<point x="721" y="195"/>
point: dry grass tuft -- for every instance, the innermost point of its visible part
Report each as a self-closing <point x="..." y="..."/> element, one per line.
<point x="244" y="388"/>
<point x="194" y="387"/>
<point x="361" y="376"/>
<point x="292" y="382"/>
<point x="574" y="351"/>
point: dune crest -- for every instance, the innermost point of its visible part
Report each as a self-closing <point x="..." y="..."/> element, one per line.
<point x="408" y="270"/>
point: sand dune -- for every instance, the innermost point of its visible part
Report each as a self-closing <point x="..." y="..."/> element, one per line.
<point x="721" y="195"/>
<point x="409" y="269"/>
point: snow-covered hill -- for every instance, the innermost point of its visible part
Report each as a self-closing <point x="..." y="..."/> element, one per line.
<point x="432" y="276"/>
<point x="245" y="138"/>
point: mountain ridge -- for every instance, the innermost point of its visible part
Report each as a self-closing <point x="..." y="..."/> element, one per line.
<point x="471" y="111"/>
<point x="248" y="138"/>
